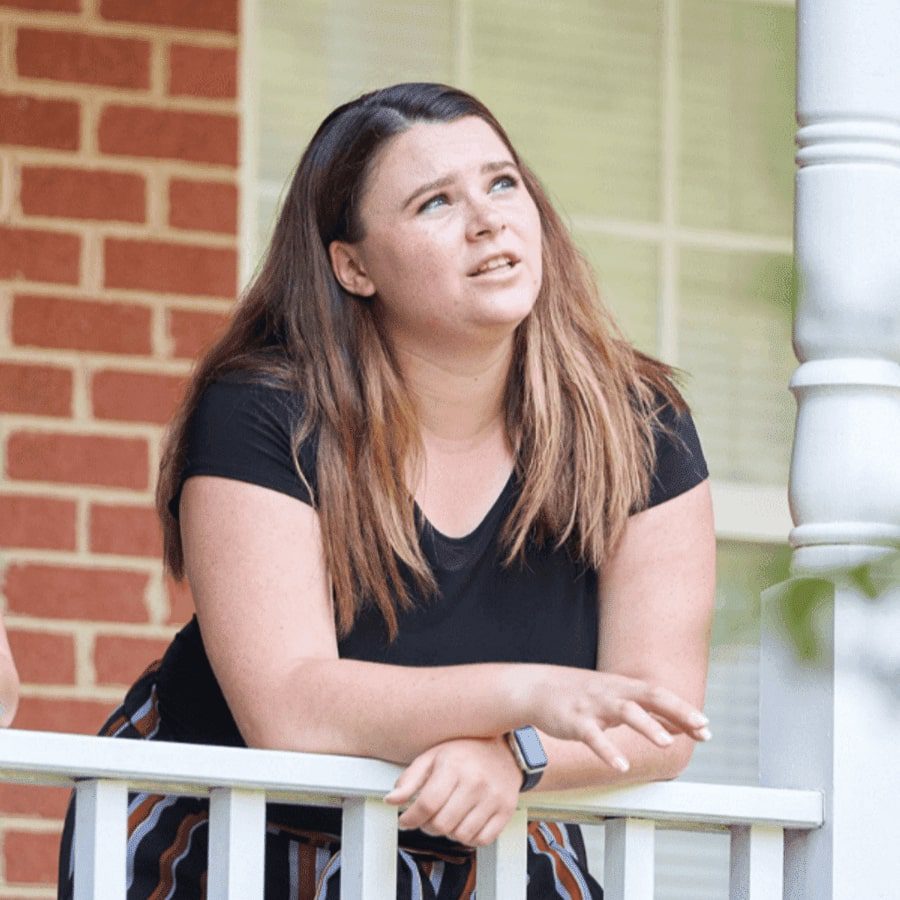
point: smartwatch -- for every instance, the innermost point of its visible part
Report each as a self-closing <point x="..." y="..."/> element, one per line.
<point x="529" y="753"/>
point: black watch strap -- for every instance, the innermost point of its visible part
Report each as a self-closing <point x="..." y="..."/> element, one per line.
<point x="530" y="780"/>
<point x="526" y="747"/>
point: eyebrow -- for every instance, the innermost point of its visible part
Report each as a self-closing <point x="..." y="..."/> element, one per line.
<point x="449" y="179"/>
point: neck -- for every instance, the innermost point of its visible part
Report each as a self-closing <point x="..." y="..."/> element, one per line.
<point x="460" y="399"/>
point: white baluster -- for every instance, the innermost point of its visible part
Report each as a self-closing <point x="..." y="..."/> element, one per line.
<point x="502" y="867"/>
<point x="101" y="822"/>
<point x="757" y="863"/>
<point x="628" y="869"/>
<point x="368" y="850"/>
<point x="237" y="843"/>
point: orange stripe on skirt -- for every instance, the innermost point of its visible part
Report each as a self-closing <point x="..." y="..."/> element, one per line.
<point x="563" y="873"/>
<point x="176" y="848"/>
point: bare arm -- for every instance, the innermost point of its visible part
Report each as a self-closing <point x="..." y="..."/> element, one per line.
<point x="657" y="596"/>
<point x="254" y="561"/>
<point x="9" y="682"/>
<point x="656" y="600"/>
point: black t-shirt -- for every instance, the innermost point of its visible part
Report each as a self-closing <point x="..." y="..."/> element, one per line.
<point x="542" y="610"/>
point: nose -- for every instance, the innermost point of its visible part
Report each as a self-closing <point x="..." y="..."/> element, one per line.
<point x="484" y="218"/>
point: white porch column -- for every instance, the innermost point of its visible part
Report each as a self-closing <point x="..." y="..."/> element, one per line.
<point x="835" y="727"/>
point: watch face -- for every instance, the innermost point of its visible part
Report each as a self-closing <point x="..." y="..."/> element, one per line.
<point x="531" y="748"/>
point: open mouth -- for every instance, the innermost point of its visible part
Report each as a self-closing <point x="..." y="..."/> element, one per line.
<point x="504" y="267"/>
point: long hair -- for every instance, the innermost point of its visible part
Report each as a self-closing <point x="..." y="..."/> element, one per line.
<point x="580" y="401"/>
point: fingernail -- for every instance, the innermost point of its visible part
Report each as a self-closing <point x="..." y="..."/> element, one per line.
<point x="699" y="720"/>
<point x="704" y="734"/>
<point x="664" y="738"/>
<point x="621" y="763"/>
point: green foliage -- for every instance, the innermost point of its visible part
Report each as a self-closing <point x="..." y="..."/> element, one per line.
<point x="794" y="603"/>
<point x="876" y="578"/>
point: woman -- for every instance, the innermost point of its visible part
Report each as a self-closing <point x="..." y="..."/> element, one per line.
<point x="9" y="681"/>
<point x="425" y="495"/>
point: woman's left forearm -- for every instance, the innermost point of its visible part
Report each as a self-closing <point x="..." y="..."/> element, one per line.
<point x="572" y="764"/>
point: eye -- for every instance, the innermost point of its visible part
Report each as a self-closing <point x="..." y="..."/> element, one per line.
<point x="429" y="204"/>
<point x="512" y="180"/>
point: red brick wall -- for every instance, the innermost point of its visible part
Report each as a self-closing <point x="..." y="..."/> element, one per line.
<point x="118" y="263"/>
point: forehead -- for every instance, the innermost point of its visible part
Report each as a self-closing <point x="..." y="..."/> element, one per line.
<point x="431" y="150"/>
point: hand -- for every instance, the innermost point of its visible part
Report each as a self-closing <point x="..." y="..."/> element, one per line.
<point x="465" y="789"/>
<point x="579" y="704"/>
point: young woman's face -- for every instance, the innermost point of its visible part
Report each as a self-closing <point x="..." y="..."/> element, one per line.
<point x="443" y="200"/>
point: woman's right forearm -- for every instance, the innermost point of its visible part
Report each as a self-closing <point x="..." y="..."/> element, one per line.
<point x="391" y="712"/>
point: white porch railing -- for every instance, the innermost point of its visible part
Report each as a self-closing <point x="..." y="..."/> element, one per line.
<point x="240" y="781"/>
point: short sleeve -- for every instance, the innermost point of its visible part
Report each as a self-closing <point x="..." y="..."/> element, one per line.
<point x="242" y="430"/>
<point x="680" y="464"/>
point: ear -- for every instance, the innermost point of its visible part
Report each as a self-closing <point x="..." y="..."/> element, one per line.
<point x="348" y="269"/>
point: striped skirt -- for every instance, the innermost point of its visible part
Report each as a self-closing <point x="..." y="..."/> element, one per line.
<point x="168" y="840"/>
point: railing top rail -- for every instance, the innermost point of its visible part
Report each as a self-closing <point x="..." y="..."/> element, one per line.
<point x="50" y="758"/>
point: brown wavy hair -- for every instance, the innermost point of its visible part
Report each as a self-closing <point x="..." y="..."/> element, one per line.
<point x="581" y="402"/>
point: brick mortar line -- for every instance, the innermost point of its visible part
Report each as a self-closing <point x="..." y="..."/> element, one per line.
<point x="31" y="824"/>
<point x="25" y="892"/>
<point x="10" y="489"/>
<point x="82" y="529"/>
<point x="111" y="228"/>
<point x="162" y="344"/>
<point x="105" y="95"/>
<point x="90" y="629"/>
<point x="20" y="154"/>
<point x="181" y="302"/>
<point x="10" y="186"/>
<point x="86" y="428"/>
<point x="91" y="278"/>
<point x="155" y="364"/>
<point x="120" y="295"/>
<point x="118" y="562"/>
<point x="189" y="237"/>
<point x="6" y="304"/>
<point x="159" y="69"/>
<point x="89" y="23"/>
<point x="67" y="491"/>
<point x="140" y="366"/>
<point x="157" y="600"/>
<point x="85" y="670"/>
<point x="7" y="52"/>
<point x="89" y="118"/>
<point x="81" y="400"/>
<point x="105" y="693"/>
<point x="157" y="212"/>
<point x="217" y="171"/>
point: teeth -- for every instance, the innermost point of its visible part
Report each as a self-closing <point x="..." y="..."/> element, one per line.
<point x="494" y="264"/>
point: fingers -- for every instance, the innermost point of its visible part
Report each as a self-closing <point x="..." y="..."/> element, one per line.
<point x="641" y="721"/>
<point x="457" y="788"/>
<point x="597" y="740"/>
<point x="411" y="780"/>
<point x="431" y="800"/>
<point x="671" y="707"/>
<point x="460" y="818"/>
<point x="490" y="832"/>
<point x="471" y="829"/>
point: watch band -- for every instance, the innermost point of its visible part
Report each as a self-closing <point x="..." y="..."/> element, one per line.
<point x="526" y="747"/>
<point x="529" y="780"/>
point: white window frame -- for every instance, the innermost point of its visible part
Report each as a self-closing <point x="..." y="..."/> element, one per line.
<point x="754" y="512"/>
